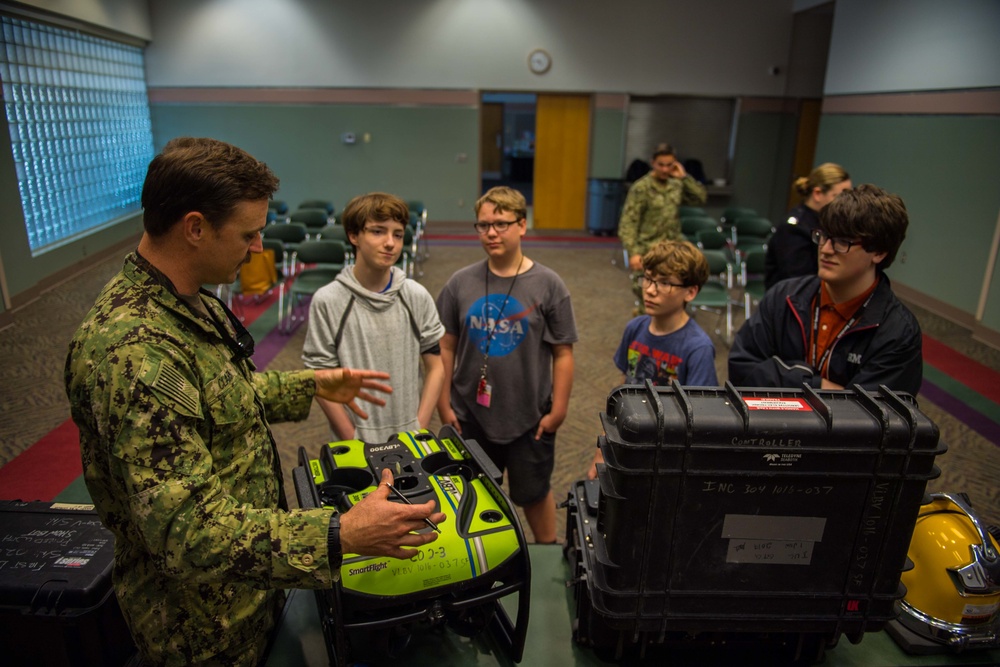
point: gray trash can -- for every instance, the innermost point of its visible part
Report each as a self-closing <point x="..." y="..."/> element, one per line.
<point x="605" y="198"/>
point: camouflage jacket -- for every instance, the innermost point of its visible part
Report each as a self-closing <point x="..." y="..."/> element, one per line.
<point x="179" y="460"/>
<point x="650" y="211"/>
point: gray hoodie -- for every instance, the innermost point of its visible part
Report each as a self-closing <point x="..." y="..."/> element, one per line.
<point x="377" y="333"/>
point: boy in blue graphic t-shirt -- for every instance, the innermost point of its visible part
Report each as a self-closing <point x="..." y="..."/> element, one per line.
<point x="665" y="345"/>
<point x="508" y="357"/>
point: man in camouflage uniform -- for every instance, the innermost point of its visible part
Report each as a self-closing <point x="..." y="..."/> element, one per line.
<point x="650" y="211"/>
<point x="177" y="453"/>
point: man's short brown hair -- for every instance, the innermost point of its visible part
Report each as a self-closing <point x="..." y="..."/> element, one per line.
<point x="869" y="213"/>
<point x="663" y="149"/>
<point x="504" y="200"/>
<point x="204" y="175"/>
<point x="375" y="206"/>
<point x="681" y="259"/>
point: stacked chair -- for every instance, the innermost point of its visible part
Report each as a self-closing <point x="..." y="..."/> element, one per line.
<point x="291" y="235"/>
<point x="714" y="295"/>
<point x="314" y="219"/>
<point x="408" y="258"/>
<point x="279" y="208"/>
<point x="751" y="233"/>
<point x="418" y="221"/>
<point x="280" y="255"/>
<point x="690" y="211"/>
<point x="325" y="259"/>
<point x="730" y="214"/>
<point x="324" y="204"/>
<point x="752" y="279"/>
<point x="691" y="225"/>
<point x="336" y="232"/>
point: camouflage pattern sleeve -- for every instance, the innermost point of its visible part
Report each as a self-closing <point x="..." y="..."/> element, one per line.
<point x="182" y="463"/>
<point x="287" y="396"/>
<point x="694" y="192"/>
<point x="628" y="223"/>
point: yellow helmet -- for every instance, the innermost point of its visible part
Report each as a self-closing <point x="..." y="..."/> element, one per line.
<point x="953" y="591"/>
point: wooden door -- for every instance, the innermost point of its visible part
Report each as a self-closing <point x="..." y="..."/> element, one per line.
<point x="491" y="139"/>
<point x="562" y="161"/>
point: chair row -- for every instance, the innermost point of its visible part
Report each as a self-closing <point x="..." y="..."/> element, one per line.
<point x="717" y="295"/>
<point x="281" y="209"/>
<point x="322" y="257"/>
<point x="318" y="214"/>
<point x="293" y="234"/>
<point x="744" y="228"/>
<point x="747" y="234"/>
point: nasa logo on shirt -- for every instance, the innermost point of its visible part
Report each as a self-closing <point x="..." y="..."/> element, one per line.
<point x="508" y="327"/>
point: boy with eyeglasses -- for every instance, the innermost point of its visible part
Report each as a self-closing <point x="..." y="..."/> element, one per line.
<point x="843" y="326"/>
<point x="508" y="357"/>
<point x="665" y="344"/>
<point x="372" y="300"/>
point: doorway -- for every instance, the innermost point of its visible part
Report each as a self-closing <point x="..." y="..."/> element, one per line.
<point x="507" y="141"/>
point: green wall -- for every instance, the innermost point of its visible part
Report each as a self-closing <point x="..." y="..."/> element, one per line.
<point x="762" y="163"/>
<point x="947" y="170"/>
<point x="607" y="149"/>
<point x="426" y="153"/>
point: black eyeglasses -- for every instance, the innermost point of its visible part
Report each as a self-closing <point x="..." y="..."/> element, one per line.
<point x="242" y="346"/>
<point x="840" y="245"/>
<point x="665" y="285"/>
<point x="500" y="225"/>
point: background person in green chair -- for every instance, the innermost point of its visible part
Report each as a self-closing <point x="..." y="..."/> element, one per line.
<point x="650" y="213"/>
<point x="177" y="452"/>
<point x="790" y="250"/>
<point x="373" y="300"/>
<point x="842" y="326"/>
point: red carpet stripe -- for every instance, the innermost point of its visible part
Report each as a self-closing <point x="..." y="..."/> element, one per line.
<point x="971" y="373"/>
<point x="46" y="468"/>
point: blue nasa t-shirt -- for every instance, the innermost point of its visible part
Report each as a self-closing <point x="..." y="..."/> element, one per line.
<point x="517" y="333"/>
<point x="497" y="324"/>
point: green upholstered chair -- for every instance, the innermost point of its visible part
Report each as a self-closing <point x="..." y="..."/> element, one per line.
<point x="714" y="294"/>
<point x="324" y="259"/>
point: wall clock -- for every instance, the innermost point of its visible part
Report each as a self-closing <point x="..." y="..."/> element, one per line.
<point x="539" y="61"/>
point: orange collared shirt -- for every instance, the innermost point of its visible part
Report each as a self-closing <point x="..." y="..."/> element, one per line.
<point x="832" y="318"/>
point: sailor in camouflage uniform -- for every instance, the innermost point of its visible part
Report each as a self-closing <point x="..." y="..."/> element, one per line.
<point x="650" y="211"/>
<point x="174" y="436"/>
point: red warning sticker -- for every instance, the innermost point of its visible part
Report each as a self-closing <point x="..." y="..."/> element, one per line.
<point x="795" y="404"/>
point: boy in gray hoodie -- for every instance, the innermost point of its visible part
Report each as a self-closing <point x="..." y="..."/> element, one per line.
<point x="372" y="316"/>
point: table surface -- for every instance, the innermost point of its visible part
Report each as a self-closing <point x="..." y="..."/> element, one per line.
<point x="299" y="640"/>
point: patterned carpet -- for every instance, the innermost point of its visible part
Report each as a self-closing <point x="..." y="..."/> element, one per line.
<point x="32" y="353"/>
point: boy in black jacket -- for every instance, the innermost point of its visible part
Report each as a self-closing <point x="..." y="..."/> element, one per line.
<point x="843" y="326"/>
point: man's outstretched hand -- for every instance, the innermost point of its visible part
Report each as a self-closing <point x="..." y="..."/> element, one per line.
<point x="343" y="385"/>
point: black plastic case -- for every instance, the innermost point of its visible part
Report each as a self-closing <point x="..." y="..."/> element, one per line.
<point x="749" y="511"/>
<point x="57" y="606"/>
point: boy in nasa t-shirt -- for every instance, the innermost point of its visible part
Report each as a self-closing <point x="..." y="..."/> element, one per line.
<point x="508" y="357"/>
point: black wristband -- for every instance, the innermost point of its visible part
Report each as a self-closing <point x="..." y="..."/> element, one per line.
<point x="334" y="550"/>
